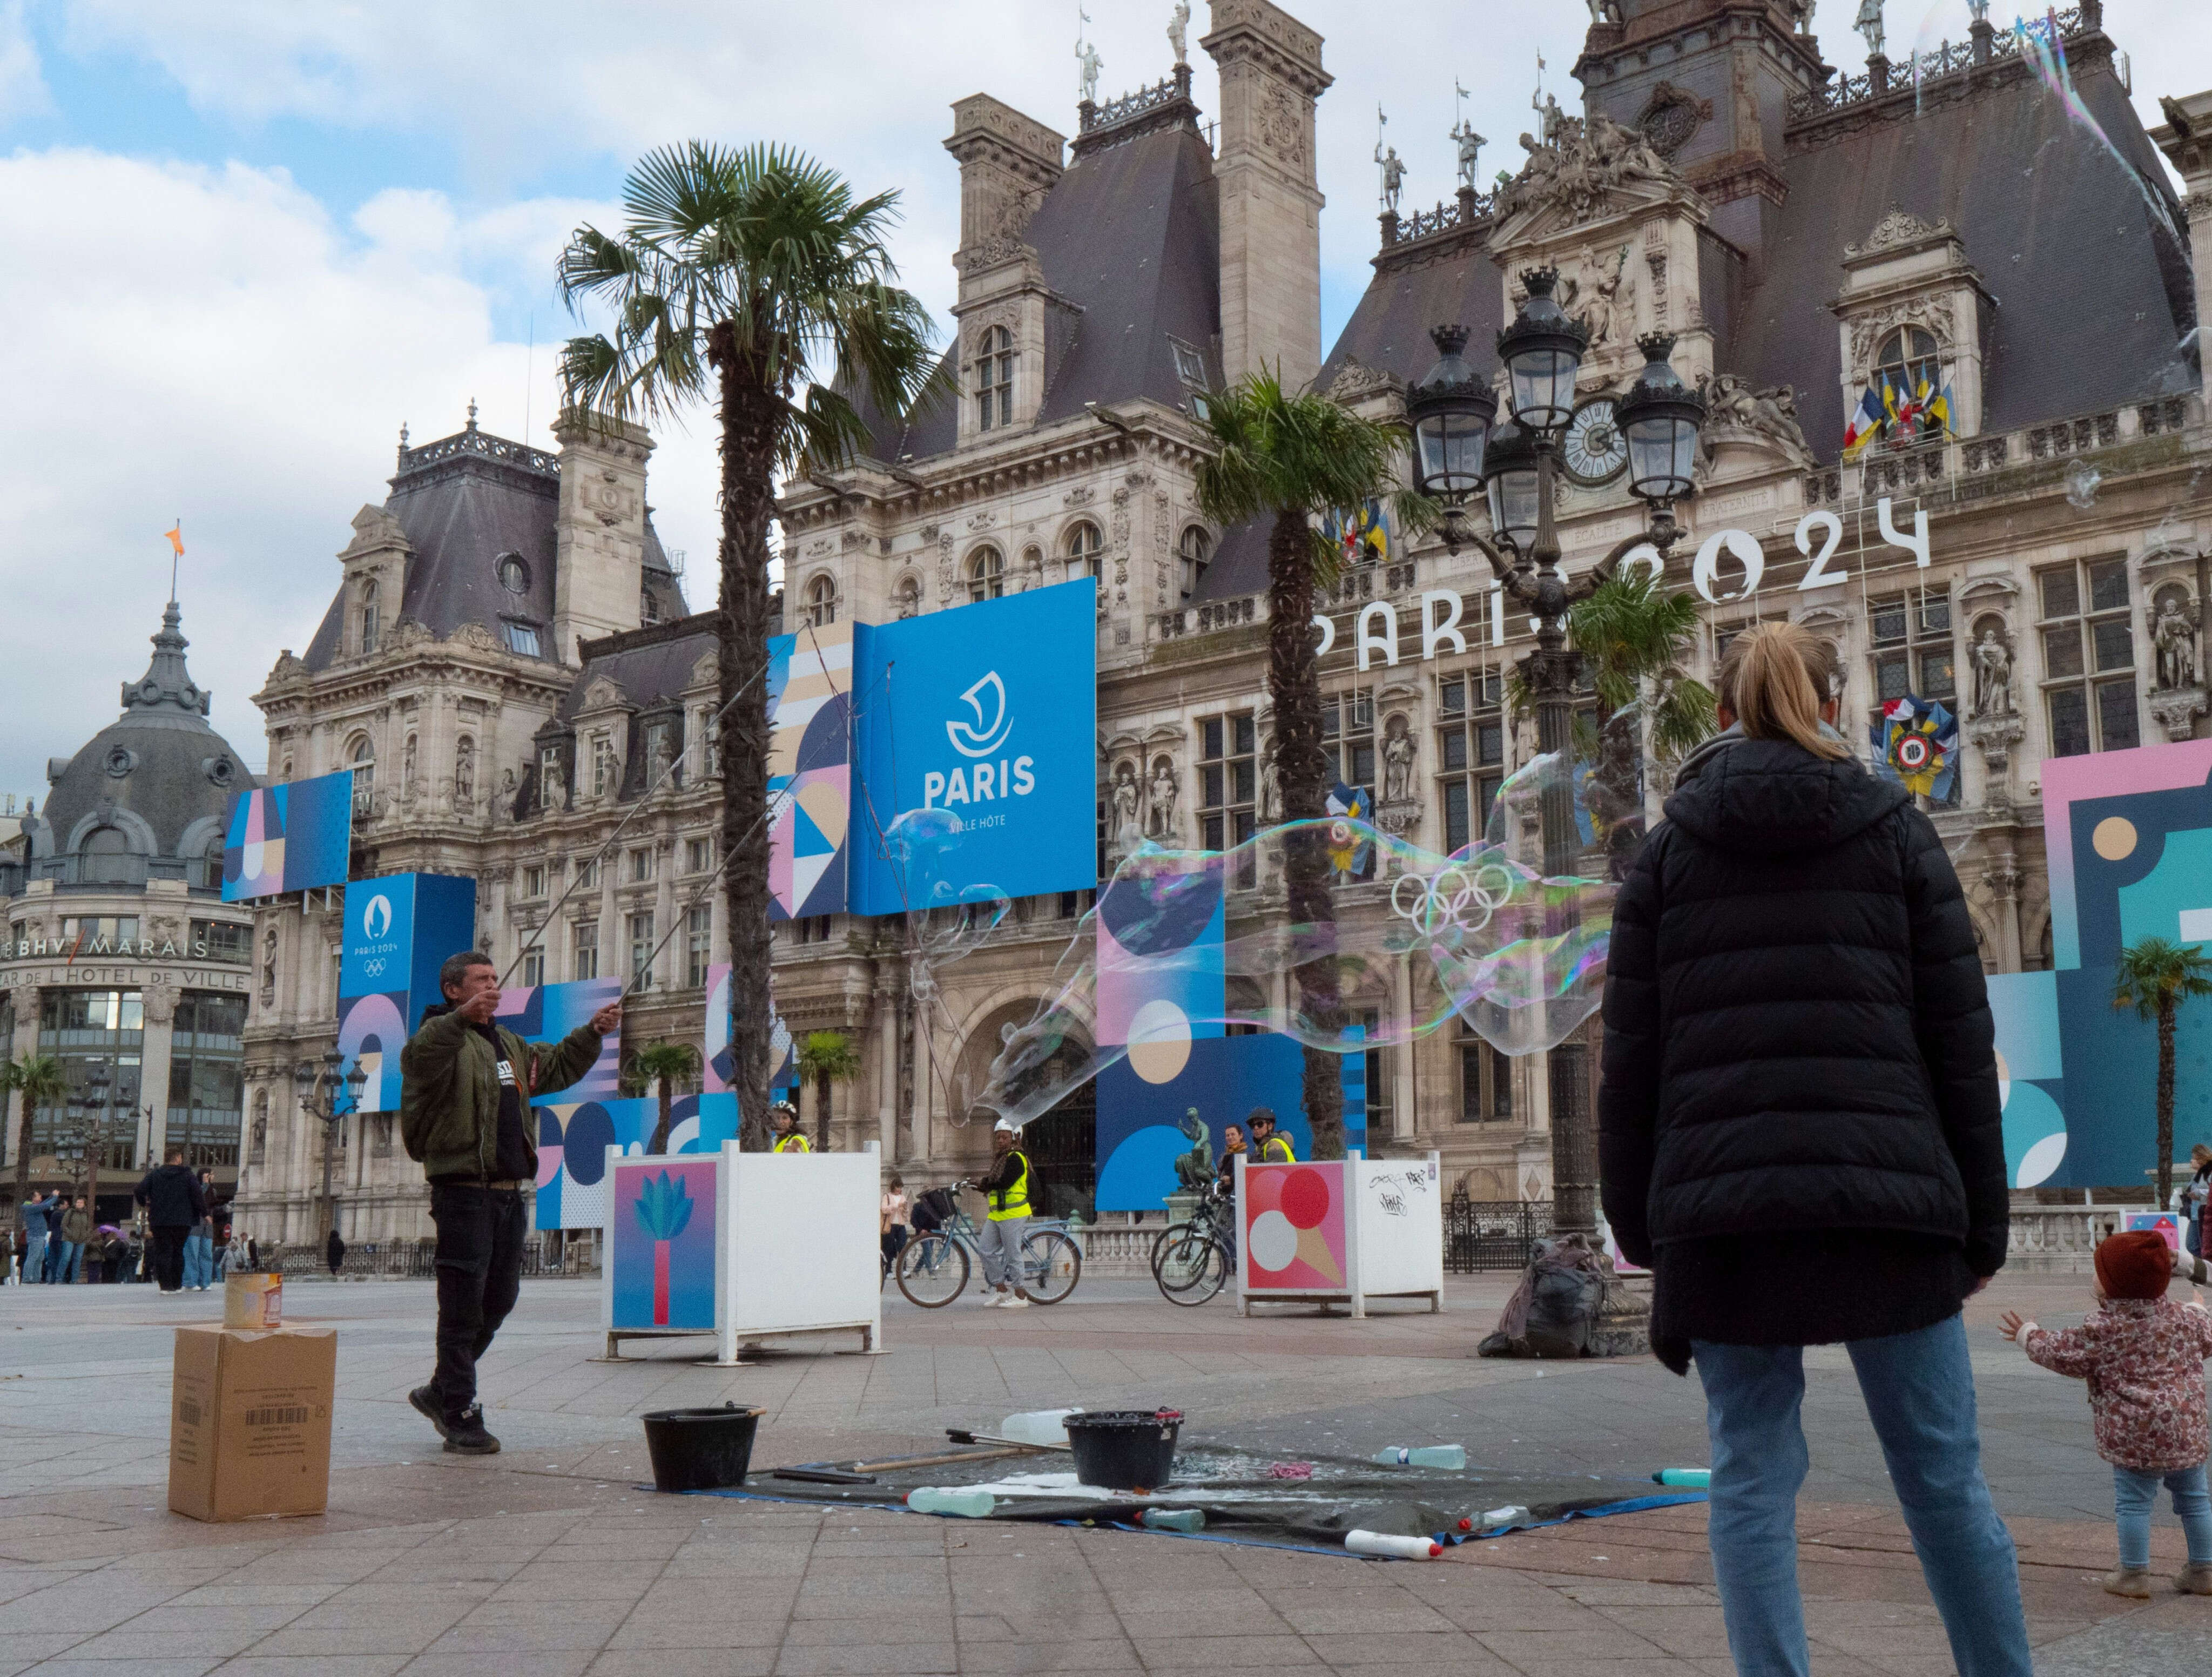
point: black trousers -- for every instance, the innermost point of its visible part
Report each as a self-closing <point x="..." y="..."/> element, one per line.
<point x="479" y="1276"/>
<point x="169" y="1256"/>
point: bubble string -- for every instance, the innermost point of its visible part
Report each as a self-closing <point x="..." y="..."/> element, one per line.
<point x="2044" y="49"/>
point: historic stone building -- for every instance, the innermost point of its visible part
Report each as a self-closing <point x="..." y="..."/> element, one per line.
<point x="508" y="649"/>
<point x="120" y="952"/>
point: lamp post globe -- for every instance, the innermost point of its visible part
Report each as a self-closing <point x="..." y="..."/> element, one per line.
<point x="1660" y="417"/>
<point x="1542" y="351"/>
<point x="1450" y="411"/>
<point x="1512" y="476"/>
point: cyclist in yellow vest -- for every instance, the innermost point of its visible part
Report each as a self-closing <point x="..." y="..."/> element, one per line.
<point x="789" y="1138"/>
<point x="999" y="1239"/>
<point x="1273" y="1147"/>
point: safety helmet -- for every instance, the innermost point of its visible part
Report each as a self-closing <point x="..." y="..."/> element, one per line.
<point x="782" y="1109"/>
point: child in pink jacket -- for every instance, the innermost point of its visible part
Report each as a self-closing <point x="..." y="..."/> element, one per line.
<point x="2143" y="1356"/>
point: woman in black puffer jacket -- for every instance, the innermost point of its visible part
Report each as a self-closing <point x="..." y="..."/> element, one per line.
<point x="1799" y="1134"/>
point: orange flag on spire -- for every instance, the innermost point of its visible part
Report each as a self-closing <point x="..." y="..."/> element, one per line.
<point x="177" y="537"/>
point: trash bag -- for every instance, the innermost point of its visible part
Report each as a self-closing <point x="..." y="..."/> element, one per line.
<point x="1570" y="1303"/>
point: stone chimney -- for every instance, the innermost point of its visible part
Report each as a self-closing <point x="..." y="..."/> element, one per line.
<point x="1270" y="196"/>
<point x="2185" y="136"/>
<point x="598" y="565"/>
<point x="1007" y="164"/>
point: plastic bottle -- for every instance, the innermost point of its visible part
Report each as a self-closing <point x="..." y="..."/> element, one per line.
<point x="963" y="1500"/>
<point x="1402" y="1548"/>
<point x="1038" y="1426"/>
<point x="1491" y="1519"/>
<point x="1173" y="1519"/>
<point x="1453" y="1456"/>
<point x="1690" y="1479"/>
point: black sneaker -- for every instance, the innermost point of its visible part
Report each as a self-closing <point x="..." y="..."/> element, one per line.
<point x="467" y="1436"/>
<point x="427" y="1406"/>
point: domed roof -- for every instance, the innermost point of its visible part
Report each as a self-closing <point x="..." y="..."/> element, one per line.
<point x="159" y="772"/>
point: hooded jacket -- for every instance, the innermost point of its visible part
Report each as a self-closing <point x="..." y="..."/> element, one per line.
<point x="449" y="1091"/>
<point x="172" y="1196"/>
<point x="1798" y="1038"/>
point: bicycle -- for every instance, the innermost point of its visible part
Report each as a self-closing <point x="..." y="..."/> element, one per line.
<point x="934" y="1266"/>
<point x="1192" y="1260"/>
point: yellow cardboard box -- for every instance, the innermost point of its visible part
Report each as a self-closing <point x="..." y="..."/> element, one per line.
<point x="250" y="1421"/>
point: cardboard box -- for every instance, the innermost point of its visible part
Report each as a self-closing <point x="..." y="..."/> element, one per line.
<point x="250" y="1421"/>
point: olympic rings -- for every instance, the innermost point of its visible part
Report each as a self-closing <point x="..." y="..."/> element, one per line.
<point x="1438" y="904"/>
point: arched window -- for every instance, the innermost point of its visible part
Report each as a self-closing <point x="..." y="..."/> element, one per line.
<point x="1085" y="544"/>
<point x="212" y="863"/>
<point x="1195" y="551"/>
<point x="995" y="378"/>
<point x="1908" y="360"/>
<point x="107" y="855"/>
<point x="648" y="608"/>
<point x="370" y="616"/>
<point x="907" y="597"/>
<point x="822" y="601"/>
<point x="362" y="756"/>
<point x="986" y="575"/>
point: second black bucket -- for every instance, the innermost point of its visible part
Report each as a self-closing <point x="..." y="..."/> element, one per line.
<point x="700" y="1449"/>
<point x="1124" y="1450"/>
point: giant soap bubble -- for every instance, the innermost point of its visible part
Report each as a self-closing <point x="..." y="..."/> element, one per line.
<point x="1413" y="940"/>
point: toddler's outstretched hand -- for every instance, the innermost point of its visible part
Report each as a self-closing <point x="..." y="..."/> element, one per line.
<point x="2010" y="1323"/>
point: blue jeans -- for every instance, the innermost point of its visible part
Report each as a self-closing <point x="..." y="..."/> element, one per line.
<point x="199" y="1260"/>
<point x="2135" y="1494"/>
<point x="1919" y="1392"/>
<point x="35" y="1258"/>
<point x="65" y="1263"/>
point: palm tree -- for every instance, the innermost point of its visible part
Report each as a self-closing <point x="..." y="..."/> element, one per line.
<point x="1293" y="460"/>
<point x="1633" y="636"/>
<point x="754" y="279"/>
<point x="664" y="1064"/>
<point x="2154" y="978"/>
<point x="36" y="1079"/>
<point x="828" y="1057"/>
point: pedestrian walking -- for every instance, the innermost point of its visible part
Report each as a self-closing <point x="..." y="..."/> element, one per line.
<point x="334" y="1251"/>
<point x="2194" y="1196"/>
<point x="39" y="1219"/>
<point x="893" y="1220"/>
<point x="76" y="1233"/>
<point x="2143" y="1355"/>
<point x="173" y="1203"/>
<point x="783" y="1119"/>
<point x="466" y="1088"/>
<point x="1799" y="1133"/>
<point x="999" y="1239"/>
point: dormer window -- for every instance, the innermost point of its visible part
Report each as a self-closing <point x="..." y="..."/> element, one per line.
<point x="986" y="575"/>
<point x="1908" y="370"/>
<point x="1195" y="552"/>
<point x="369" y="617"/>
<point x="1085" y="544"/>
<point x="520" y="637"/>
<point x="1190" y="366"/>
<point x="995" y="378"/>
<point x="822" y="601"/>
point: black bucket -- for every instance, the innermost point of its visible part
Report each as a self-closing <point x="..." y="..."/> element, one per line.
<point x="700" y="1449"/>
<point x="1124" y="1450"/>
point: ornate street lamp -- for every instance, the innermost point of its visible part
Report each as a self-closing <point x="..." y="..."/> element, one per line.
<point x="1450" y="410"/>
<point x="1542" y="352"/>
<point x="331" y="1099"/>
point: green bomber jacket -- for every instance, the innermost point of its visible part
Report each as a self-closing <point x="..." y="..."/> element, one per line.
<point x="449" y="1090"/>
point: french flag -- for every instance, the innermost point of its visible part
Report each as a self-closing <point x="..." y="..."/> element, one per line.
<point x="1866" y="420"/>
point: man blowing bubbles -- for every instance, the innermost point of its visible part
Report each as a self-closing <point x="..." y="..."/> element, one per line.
<point x="464" y="1105"/>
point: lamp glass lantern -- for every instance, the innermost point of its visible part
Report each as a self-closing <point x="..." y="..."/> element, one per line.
<point x="1514" y="486"/>
<point x="1660" y="418"/>
<point x="1451" y="411"/>
<point x="1542" y="351"/>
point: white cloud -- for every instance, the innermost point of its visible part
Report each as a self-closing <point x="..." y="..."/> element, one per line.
<point x="23" y="85"/>
<point x="209" y="343"/>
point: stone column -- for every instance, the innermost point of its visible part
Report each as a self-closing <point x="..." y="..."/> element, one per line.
<point x="2002" y="877"/>
<point x="1401" y="1057"/>
<point x="882" y="1040"/>
<point x="159" y="1000"/>
<point x="24" y="1043"/>
<point x="2186" y="139"/>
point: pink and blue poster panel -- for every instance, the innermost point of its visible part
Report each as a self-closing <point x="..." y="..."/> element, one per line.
<point x="661" y="1245"/>
<point x="719" y="1058"/>
<point x="1294" y="1227"/>
<point x="810" y="770"/>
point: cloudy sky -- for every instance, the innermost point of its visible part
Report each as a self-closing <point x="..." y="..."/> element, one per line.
<point x="246" y="240"/>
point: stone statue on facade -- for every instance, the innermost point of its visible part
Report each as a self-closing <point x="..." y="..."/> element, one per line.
<point x="1126" y="797"/>
<point x="1869" y="23"/>
<point x="1160" y="803"/>
<point x="1179" y="31"/>
<point x="1271" y="786"/>
<point x="1194" y="1169"/>
<point x="2175" y="634"/>
<point x="1992" y="674"/>
<point x="1579" y="164"/>
<point x="553" y="793"/>
<point x="1470" y="145"/>
<point x="1771" y="413"/>
<point x="1398" y="762"/>
<point x="465" y="776"/>
<point x="1394" y="175"/>
<point x="269" y="967"/>
<point x="1089" y="63"/>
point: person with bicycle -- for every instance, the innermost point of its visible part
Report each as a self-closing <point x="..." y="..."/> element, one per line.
<point x="783" y="1118"/>
<point x="1233" y="1148"/>
<point x="1270" y="1144"/>
<point x="999" y="1239"/>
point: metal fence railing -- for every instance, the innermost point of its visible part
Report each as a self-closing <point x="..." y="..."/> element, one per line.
<point x="1493" y="1234"/>
<point x="418" y="1259"/>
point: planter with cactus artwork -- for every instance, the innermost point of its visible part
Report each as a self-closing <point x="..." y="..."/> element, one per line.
<point x="661" y="1254"/>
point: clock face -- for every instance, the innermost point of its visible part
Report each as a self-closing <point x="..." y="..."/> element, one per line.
<point x="1594" y="452"/>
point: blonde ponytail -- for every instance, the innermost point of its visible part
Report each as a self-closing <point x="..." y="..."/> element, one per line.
<point x="1768" y="679"/>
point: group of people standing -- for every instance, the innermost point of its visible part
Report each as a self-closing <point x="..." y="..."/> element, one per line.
<point x="175" y="1241"/>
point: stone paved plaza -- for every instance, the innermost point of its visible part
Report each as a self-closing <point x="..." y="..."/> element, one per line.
<point x="550" y="1559"/>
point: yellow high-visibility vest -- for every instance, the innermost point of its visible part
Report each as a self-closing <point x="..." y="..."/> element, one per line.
<point x="1278" y="1150"/>
<point x="793" y="1143"/>
<point x="1013" y="1201"/>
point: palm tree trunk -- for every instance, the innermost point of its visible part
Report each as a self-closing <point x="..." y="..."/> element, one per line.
<point x="660" y="1130"/>
<point x="822" y="1112"/>
<point x="1294" y="690"/>
<point x="22" y="1151"/>
<point x="748" y="414"/>
<point x="2165" y="1011"/>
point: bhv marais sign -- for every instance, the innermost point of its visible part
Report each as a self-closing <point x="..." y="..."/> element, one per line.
<point x="1445" y="623"/>
<point x="990" y="712"/>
